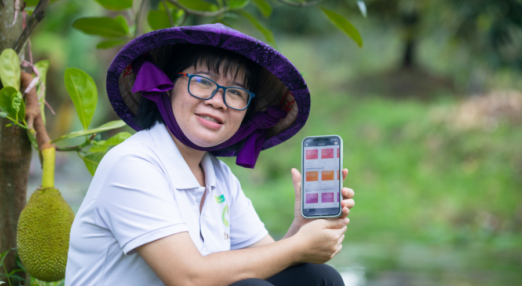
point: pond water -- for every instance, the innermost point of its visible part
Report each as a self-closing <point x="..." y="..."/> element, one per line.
<point x="401" y="265"/>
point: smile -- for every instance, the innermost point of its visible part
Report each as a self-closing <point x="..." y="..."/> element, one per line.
<point x="210" y="121"/>
<point x="206" y="117"/>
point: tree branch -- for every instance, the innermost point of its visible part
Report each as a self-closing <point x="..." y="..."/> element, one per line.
<point x="293" y="4"/>
<point x="168" y="13"/>
<point x="137" y="19"/>
<point x="33" y="115"/>
<point x="196" y="12"/>
<point x="185" y="17"/>
<point x="79" y="147"/>
<point x="31" y="100"/>
<point x="37" y="16"/>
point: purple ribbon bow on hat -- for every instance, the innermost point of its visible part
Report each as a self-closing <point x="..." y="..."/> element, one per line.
<point x="154" y="84"/>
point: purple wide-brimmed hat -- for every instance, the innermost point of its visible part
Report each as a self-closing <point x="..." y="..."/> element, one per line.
<point x="128" y="79"/>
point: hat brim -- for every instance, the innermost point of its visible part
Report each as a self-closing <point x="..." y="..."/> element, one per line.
<point x="223" y="37"/>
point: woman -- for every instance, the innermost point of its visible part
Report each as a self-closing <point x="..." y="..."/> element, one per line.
<point x="161" y="209"/>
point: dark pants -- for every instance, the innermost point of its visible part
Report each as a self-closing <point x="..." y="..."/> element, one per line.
<point x="307" y="274"/>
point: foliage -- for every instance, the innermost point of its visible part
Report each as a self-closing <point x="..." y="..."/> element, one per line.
<point x="494" y="28"/>
<point x="11" y="275"/>
<point x="10" y="69"/>
<point x="344" y="25"/>
<point x="82" y="89"/>
<point x="490" y="31"/>
<point x="83" y="92"/>
<point x="174" y="13"/>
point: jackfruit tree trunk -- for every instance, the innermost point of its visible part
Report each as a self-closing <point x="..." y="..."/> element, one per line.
<point x="15" y="152"/>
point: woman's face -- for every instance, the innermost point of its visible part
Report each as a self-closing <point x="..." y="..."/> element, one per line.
<point x="192" y="114"/>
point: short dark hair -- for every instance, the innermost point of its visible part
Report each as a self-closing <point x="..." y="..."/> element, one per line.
<point x="179" y="57"/>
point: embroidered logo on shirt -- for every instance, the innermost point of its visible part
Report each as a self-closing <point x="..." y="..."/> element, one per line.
<point x="219" y="200"/>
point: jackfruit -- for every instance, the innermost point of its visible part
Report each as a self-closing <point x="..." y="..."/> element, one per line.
<point x="43" y="234"/>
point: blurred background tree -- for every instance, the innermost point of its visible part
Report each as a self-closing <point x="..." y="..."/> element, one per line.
<point x="489" y="31"/>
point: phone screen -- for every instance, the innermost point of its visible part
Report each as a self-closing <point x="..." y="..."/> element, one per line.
<point x="321" y="176"/>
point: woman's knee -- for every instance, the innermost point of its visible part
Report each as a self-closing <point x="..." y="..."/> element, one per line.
<point x="308" y="274"/>
<point x="326" y="274"/>
<point x="252" y="282"/>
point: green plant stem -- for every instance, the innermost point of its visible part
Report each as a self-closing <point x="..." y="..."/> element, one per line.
<point x="185" y="16"/>
<point x="168" y="13"/>
<point x="49" y="156"/>
<point x="137" y="19"/>
<point x="304" y="4"/>
<point x="196" y="12"/>
<point x="77" y="147"/>
<point x="7" y="276"/>
<point x="16" y="122"/>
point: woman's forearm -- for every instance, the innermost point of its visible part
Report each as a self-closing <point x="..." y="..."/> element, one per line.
<point x="294" y="228"/>
<point x="224" y="268"/>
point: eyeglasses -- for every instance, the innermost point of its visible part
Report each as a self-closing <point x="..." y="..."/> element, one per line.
<point x="205" y="88"/>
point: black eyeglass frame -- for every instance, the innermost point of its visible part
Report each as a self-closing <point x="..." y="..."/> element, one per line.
<point x="190" y="76"/>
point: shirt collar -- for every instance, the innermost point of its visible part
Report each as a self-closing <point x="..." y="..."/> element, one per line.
<point x="177" y="168"/>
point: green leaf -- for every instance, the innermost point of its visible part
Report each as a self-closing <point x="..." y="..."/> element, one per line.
<point x="35" y="2"/>
<point x="109" y="44"/>
<point x="102" y="26"/>
<point x="267" y="33"/>
<point x="16" y="104"/>
<point x="118" y="138"/>
<point x="344" y="25"/>
<point x="159" y="19"/>
<point x="3" y="256"/>
<point x="82" y="90"/>
<point x="105" y="127"/>
<point x="31" y="2"/>
<point x="170" y="6"/>
<point x="11" y="101"/>
<point x="3" y="114"/>
<point x="123" y="22"/>
<point x="92" y="160"/>
<point x="10" y="69"/>
<point x="99" y="146"/>
<point x="42" y="67"/>
<point x="115" y="4"/>
<point x="103" y="146"/>
<point x="238" y="4"/>
<point x="263" y="7"/>
<point x="199" y="5"/>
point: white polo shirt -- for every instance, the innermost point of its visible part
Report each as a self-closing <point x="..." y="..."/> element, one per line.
<point x="142" y="191"/>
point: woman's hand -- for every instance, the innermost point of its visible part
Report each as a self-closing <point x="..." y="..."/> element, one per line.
<point x="321" y="239"/>
<point x="347" y="203"/>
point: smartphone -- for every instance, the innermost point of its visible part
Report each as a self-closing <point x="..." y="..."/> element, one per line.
<point x="321" y="169"/>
